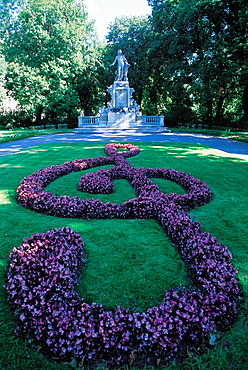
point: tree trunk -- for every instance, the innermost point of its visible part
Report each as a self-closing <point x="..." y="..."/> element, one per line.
<point x="209" y="117"/>
<point x="140" y="96"/>
<point x="245" y="103"/>
<point x="54" y="119"/>
<point x="219" y="111"/>
<point x="38" y="116"/>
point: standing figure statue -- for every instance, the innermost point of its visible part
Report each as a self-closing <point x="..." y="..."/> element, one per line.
<point x="122" y="69"/>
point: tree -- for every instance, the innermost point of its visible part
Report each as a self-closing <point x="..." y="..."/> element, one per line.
<point x="48" y="45"/>
<point x="203" y="44"/>
<point x="2" y="76"/>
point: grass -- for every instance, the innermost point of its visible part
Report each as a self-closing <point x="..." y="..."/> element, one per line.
<point x="228" y="134"/>
<point x="12" y="135"/>
<point x="130" y="262"/>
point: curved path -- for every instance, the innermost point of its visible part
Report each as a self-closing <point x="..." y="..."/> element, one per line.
<point x="235" y="149"/>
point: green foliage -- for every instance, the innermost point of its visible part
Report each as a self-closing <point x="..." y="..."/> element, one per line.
<point x="2" y="76"/>
<point x="202" y="48"/>
<point x="188" y="60"/>
<point x="48" y="46"/>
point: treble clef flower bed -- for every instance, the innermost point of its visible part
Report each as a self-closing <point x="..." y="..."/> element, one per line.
<point x="43" y="271"/>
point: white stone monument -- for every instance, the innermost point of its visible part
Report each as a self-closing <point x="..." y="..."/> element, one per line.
<point x="122" y="112"/>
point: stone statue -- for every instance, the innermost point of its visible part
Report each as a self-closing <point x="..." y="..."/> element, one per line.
<point x="122" y="68"/>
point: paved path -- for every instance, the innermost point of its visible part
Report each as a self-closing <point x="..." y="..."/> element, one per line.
<point x="236" y="149"/>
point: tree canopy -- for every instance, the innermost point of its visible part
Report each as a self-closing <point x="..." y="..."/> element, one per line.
<point x="48" y="47"/>
<point x="188" y="59"/>
<point x="204" y="47"/>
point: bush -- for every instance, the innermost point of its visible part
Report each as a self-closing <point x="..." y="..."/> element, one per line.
<point x="15" y="120"/>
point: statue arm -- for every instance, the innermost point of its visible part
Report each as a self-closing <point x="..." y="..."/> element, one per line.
<point x="114" y="61"/>
<point x="125" y="61"/>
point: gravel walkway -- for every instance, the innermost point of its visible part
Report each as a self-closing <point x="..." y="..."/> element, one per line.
<point x="235" y="149"/>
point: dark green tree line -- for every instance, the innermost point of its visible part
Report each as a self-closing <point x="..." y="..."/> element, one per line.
<point x="188" y="59"/>
<point x="51" y="50"/>
<point x="203" y="45"/>
<point x="2" y="77"/>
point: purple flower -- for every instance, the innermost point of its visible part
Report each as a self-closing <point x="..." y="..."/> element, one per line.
<point x="43" y="271"/>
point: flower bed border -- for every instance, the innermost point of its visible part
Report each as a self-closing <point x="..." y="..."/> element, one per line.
<point x="43" y="271"/>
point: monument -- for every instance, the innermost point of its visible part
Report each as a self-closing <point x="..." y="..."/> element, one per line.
<point x="122" y="112"/>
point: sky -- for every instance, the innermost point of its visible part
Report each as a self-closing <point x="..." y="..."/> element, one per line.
<point x="105" y="11"/>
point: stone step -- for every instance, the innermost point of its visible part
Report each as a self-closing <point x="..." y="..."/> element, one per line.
<point x="95" y="129"/>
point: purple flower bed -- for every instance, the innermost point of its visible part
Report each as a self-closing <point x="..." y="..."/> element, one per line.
<point x="96" y="183"/>
<point x="43" y="271"/>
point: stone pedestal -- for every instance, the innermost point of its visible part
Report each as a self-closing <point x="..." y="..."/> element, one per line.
<point x="121" y="95"/>
<point x="121" y="119"/>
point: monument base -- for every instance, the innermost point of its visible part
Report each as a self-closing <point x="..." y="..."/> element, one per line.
<point x="120" y="121"/>
<point x="106" y="130"/>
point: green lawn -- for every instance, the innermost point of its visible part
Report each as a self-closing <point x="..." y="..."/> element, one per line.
<point x="130" y="262"/>
<point x="228" y="134"/>
<point x="12" y="135"/>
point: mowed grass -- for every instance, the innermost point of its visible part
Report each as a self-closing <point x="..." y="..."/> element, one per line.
<point x="12" y="135"/>
<point x="131" y="263"/>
